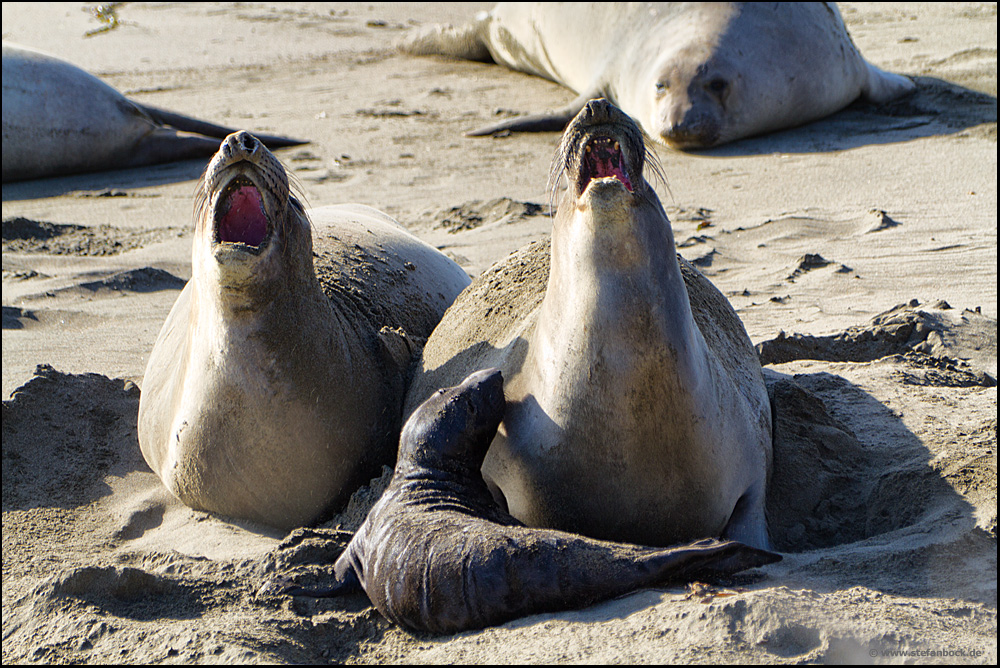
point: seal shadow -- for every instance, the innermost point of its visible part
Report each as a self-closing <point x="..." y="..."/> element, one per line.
<point x="68" y="439"/>
<point x="64" y="435"/>
<point x="117" y="179"/>
<point x="936" y="108"/>
<point x="475" y="357"/>
<point x="853" y="494"/>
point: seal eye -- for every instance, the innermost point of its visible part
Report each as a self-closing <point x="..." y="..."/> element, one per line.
<point x="718" y="86"/>
<point x="662" y="87"/>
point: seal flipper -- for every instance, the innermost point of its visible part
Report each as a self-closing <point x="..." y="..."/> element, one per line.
<point x="464" y="42"/>
<point x="195" y="126"/>
<point x="710" y="558"/>
<point x="883" y="87"/>
<point x="748" y="524"/>
<point x="167" y="145"/>
<point x="554" y="121"/>
<point x="347" y="582"/>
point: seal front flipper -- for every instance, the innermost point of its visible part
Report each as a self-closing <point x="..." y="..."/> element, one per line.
<point x="554" y="121"/>
<point x="346" y="583"/>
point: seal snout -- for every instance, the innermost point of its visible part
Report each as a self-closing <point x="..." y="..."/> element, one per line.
<point x="698" y="132"/>
<point x="481" y="395"/>
<point x="603" y="144"/>
<point x="247" y="141"/>
<point x="599" y="111"/>
<point x="698" y="127"/>
<point x="245" y="182"/>
<point x="486" y="387"/>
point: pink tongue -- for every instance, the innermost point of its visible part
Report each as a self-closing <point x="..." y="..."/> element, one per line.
<point x="608" y="168"/>
<point x="244" y="222"/>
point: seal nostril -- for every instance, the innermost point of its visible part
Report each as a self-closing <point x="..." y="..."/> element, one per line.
<point x="248" y="141"/>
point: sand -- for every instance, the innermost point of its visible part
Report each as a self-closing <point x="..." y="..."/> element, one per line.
<point x="860" y="252"/>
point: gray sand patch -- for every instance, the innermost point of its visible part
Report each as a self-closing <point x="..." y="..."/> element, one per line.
<point x="23" y="235"/>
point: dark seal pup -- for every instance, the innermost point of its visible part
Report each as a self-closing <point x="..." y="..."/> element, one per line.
<point x="437" y="554"/>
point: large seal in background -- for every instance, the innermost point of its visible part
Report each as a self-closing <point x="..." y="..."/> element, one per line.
<point x="637" y="409"/>
<point x="59" y="119"/>
<point x="693" y="74"/>
<point x="275" y="387"/>
<point x="437" y="554"/>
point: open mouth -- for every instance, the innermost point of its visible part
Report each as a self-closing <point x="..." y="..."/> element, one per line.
<point x="603" y="158"/>
<point x="240" y="216"/>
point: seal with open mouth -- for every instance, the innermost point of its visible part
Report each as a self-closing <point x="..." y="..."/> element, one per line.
<point x="437" y="554"/>
<point x="637" y="409"/>
<point x="693" y="74"/>
<point x="275" y="385"/>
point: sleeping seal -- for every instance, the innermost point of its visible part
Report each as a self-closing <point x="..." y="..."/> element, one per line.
<point x="637" y="410"/>
<point x="693" y="74"/>
<point x="58" y="119"/>
<point x="437" y="554"/>
<point x="275" y="385"/>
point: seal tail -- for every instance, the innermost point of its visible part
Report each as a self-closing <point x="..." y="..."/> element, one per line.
<point x="195" y="126"/>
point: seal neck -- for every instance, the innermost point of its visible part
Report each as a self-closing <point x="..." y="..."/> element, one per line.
<point x="616" y="295"/>
<point x="235" y="281"/>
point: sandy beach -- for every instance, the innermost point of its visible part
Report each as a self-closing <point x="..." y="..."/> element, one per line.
<point x="860" y="251"/>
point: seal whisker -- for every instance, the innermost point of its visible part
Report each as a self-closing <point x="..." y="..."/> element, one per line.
<point x="295" y="185"/>
<point x="652" y="163"/>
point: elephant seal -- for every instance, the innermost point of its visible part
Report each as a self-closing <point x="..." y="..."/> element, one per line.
<point x="693" y="74"/>
<point x="436" y="553"/>
<point x="275" y="386"/>
<point x="637" y="409"/>
<point x="59" y="119"/>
